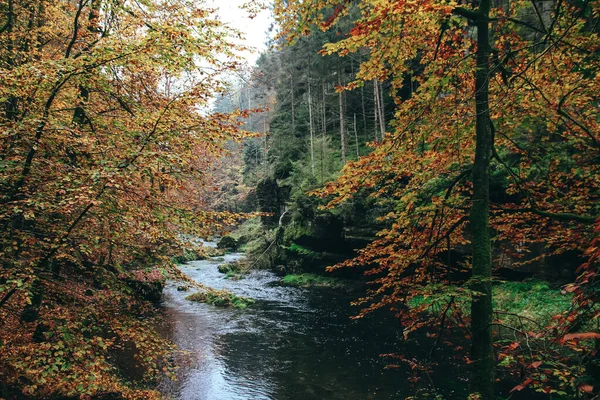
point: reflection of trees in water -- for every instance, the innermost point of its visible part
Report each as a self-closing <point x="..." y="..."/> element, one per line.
<point x="317" y="353"/>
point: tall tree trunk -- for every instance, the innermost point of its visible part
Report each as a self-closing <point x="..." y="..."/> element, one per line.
<point x="324" y="132"/>
<point x="364" y="110"/>
<point x="376" y="108"/>
<point x="11" y="110"/>
<point x="266" y="151"/>
<point x="381" y="110"/>
<point x="324" y="109"/>
<point x="482" y="352"/>
<point x="342" y="127"/>
<point x="311" y="129"/>
<point x="293" y="105"/>
<point x="249" y="96"/>
<point x="356" y="137"/>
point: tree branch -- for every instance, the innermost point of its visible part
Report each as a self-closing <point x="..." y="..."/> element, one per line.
<point x="563" y="217"/>
<point x="75" y="28"/>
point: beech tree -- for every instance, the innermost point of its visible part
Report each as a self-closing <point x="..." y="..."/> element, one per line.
<point x="498" y="97"/>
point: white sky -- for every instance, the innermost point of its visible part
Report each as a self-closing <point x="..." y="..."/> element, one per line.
<point x="255" y="30"/>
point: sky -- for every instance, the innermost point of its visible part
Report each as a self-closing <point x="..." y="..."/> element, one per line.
<point x="255" y="30"/>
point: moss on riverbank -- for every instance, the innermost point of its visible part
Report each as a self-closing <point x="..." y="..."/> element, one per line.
<point x="533" y="300"/>
<point x="235" y="270"/>
<point x="220" y="298"/>
<point x="527" y="304"/>
<point x="200" y="253"/>
<point x="314" y="281"/>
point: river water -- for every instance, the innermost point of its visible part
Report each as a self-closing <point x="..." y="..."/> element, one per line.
<point x="291" y="344"/>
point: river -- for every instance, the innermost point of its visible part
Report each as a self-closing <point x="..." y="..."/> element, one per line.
<point x="291" y="344"/>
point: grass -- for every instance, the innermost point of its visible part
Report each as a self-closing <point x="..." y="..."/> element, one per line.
<point x="220" y="298"/>
<point x="311" y="280"/>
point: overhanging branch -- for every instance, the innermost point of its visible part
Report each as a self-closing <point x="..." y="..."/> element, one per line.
<point x="563" y="217"/>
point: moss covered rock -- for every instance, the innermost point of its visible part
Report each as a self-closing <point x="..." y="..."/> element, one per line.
<point x="220" y="298"/>
<point x="228" y="243"/>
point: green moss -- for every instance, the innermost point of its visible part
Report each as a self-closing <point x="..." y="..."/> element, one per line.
<point x="223" y="268"/>
<point x="200" y="253"/>
<point x="186" y="256"/>
<point x="234" y="270"/>
<point x="234" y="276"/>
<point x="213" y="251"/>
<point x="303" y="251"/>
<point x="220" y="298"/>
<point x="527" y="304"/>
<point x="311" y="280"/>
<point x="532" y="299"/>
<point x="248" y="230"/>
<point x="295" y="230"/>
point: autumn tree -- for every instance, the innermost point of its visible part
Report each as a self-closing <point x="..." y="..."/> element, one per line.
<point x="105" y="146"/>
<point x="493" y="150"/>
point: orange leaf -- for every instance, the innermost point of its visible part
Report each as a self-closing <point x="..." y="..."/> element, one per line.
<point x="535" y="364"/>
<point x="584" y="387"/>
<point x="582" y="336"/>
<point x="522" y="386"/>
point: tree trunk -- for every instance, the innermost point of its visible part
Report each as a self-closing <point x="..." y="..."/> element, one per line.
<point x="324" y="132"/>
<point x="11" y="110"/>
<point x="342" y="127"/>
<point x="482" y="352"/>
<point x="311" y="129"/>
<point x="356" y="137"/>
<point x="249" y="95"/>
<point x="293" y="106"/>
<point x="266" y="143"/>
<point x="364" y="110"/>
<point x="324" y="109"/>
<point x="381" y="110"/>
<point x="376" y="108"/>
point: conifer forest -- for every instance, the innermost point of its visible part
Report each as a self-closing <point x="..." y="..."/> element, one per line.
<point x="384" y="199"/>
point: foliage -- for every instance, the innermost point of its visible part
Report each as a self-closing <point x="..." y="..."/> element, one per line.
<point x="103" y="158"/>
